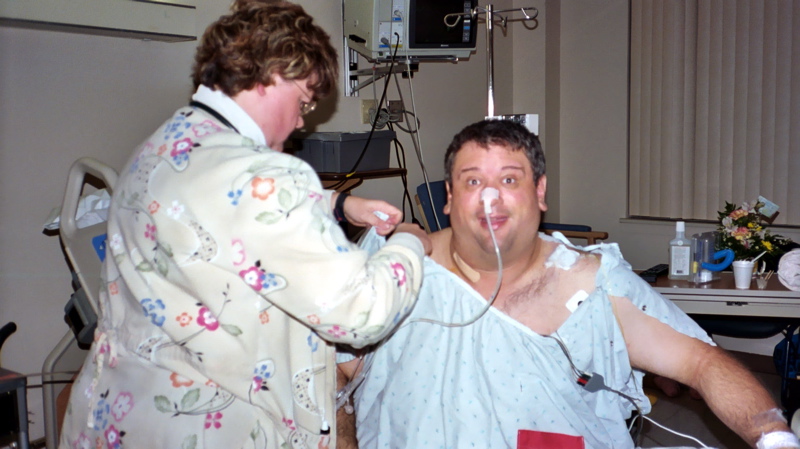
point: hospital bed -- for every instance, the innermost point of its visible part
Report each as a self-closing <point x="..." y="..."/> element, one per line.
<point x="84" y="248"/>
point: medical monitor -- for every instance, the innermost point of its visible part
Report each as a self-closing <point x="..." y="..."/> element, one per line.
<point x="374" y="28"/>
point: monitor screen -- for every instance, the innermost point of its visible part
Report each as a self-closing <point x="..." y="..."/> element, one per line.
<point x="428" y="30"/>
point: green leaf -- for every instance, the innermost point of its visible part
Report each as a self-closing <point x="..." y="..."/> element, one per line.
<point x="361" y="319"/>
<point x="144" y="267"/>
<point x="163" y="404"/>
<point x="190" y="442"/>
<point x="285" y="199"/>
<point x="231" y="329"/>
<point x="167" y="249"/>
<point x="190" y="398"/>
<point x="269" y="217"/>
<point x="162" y="266"/>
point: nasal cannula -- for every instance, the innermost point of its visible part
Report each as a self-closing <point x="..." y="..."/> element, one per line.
<point x="487" y="195"/>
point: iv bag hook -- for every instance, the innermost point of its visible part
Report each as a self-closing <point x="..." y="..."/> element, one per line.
<point x="490" y="13"/>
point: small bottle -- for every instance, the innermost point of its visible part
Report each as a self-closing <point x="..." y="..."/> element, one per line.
<point x="680" y="254"/>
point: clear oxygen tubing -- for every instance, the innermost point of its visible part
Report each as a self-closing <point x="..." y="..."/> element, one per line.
<point x="487" y="195"/>
<point x="344" y="394"/>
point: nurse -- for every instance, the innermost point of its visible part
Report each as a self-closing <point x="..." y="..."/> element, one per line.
<point x="228" y="277"/>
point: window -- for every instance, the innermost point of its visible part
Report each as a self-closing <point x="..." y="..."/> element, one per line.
<point x="714" y="107"/>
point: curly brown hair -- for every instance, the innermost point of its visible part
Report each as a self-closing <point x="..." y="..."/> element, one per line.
<point x="259" y="39"/>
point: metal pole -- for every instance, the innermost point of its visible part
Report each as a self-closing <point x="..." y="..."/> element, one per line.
<point x="490" y="58"/>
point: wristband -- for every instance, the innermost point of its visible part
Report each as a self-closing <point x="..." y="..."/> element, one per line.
<point x="338" y="209"/>
<point x="776" y="440"/>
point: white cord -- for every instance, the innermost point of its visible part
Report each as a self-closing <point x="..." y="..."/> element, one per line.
<point x="675" y="432"/>
<point x="487" y="195"/>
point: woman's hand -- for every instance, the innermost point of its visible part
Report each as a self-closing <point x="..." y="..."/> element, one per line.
<point x="361" y="212"/>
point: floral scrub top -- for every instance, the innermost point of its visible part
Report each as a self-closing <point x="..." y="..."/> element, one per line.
<point x="226" y="281"/>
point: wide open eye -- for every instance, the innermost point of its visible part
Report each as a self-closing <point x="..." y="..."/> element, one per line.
<point x="509" y="180"/>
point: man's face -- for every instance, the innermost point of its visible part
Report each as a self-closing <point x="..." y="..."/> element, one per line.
<point x="515" y="214"/>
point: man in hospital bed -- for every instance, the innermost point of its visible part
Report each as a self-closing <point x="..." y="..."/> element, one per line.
<point x="561" y="352"/>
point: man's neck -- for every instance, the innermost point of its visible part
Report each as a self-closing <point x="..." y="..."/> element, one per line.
<point x="479" y="267"/>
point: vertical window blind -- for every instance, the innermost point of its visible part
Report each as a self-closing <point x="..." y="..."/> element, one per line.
<point x="714" y="107"/>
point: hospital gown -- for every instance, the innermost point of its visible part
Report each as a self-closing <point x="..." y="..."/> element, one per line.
<point x="431" y="386"/>
<point x="226" y="277"/>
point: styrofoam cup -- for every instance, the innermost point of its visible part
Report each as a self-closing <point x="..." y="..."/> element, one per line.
<point x="743" y="273"/>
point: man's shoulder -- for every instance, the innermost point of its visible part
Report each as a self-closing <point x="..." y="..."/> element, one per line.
<point x="440" y="241"/>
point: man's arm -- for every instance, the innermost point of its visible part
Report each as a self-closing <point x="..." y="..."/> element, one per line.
<point x="346" y="422"/>
<point x="729" y="389"/>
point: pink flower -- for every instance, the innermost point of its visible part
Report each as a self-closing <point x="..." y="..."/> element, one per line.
<point x="153" y="207"/>
<point x="740" y="233"/>
<point x="150" y="231"/>
<point x="253" y="277"/>
<point x="112" y="437"/>
<point x="337" y="331"/>
<point x="83" y="442"/>
<point x="239" y="254"/>
<point x="264" y="317"/>
<point x="181" y="146"/>
<point x="289" y="423"/>
<point x="212" y="419"/>
<point x="399" y="272"/>
<point x="122" y="405"/>
<point x="206" y="319"/>
<point x="205" y="128"/>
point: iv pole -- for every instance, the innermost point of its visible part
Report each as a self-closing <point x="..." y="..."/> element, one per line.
<point x="490" y="18"/>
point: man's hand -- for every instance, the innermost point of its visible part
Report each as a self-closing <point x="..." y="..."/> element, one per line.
<point x="729" y="389"/>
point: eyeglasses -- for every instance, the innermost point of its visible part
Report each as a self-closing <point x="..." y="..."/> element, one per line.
<point x="305" y="106"/>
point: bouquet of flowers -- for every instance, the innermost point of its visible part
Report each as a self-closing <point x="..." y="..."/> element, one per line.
<point x="742" y="229"/>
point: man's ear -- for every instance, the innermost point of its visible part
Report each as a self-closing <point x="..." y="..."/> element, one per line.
<point x="541" y="191"/>
<point x="446" y="208"/>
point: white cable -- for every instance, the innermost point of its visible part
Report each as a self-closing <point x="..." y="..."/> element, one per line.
<point x="675" y="432"/>
<point x="487" y="195"/>
<point x="417" y="142"/>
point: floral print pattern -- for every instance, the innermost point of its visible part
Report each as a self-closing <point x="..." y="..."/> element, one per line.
<point x="219" y="248"/>
<point x="262" y="188"/>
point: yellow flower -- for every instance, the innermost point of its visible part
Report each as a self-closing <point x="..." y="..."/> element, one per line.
<point x="767" y="245"/>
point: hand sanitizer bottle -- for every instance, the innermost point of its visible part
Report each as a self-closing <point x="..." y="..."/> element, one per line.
<point x="680" y="254"/>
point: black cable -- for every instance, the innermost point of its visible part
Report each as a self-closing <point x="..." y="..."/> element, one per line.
<point x="399" y="151"/>
<point x="374" y="122"/>
<point x="410" y="131"/>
